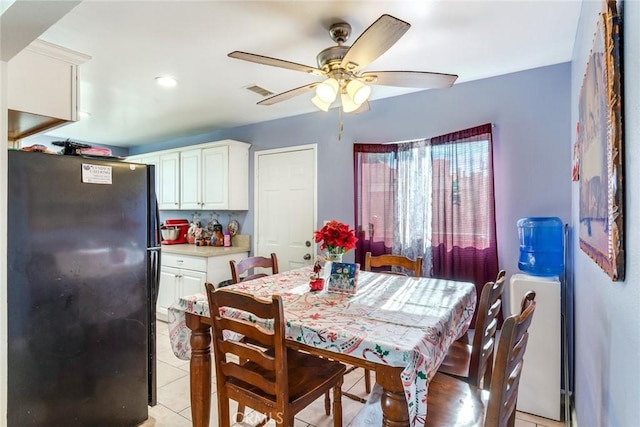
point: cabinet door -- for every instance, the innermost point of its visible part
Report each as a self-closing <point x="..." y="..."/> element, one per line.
<point x="238" y="176"/>
<point x="215" y="178"/>
<point x="218" y="268"/>
<point x="42" y="84"/>
<point x="168" y="181"/>
<point x="192" y="282"/>
<point x="153" y="160"/>
<point x="168" y="292"/>
<point x="190" y="179"/>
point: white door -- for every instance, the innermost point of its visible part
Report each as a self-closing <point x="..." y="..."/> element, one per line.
<point x="285" y="204"/>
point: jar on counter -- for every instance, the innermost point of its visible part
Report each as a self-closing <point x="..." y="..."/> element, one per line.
<point x="217" y="238"/>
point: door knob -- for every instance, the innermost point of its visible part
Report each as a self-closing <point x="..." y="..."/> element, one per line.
<point x="307" y="257"/>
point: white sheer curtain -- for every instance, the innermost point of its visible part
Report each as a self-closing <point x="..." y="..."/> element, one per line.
<point x="413" y="208"/>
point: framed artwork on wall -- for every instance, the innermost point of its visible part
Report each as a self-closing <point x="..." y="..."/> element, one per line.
<point x="601" y="149"/>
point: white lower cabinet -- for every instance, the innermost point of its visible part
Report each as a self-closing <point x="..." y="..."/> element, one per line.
<point x="174" y="283"/>
<point x="182" y="275"/>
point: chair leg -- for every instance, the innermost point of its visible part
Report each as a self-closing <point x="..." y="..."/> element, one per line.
<point x="263" y="422"/>
<point x="223" y="412"/>
<point x="367" y="385"/>
<point x="512" y="418"/>
<point x="327" y="403"/>
<point x="240" y="413"/>
<point x="367" y="381"/>
<point x="337" y="404"/>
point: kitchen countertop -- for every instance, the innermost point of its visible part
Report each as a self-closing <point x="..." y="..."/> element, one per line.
<point x="240" y="243"/>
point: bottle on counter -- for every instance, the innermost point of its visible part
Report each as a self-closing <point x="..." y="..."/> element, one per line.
<point x="227" y="239"/>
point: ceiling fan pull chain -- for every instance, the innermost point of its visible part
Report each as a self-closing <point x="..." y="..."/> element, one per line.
<point x="340" y="123"/>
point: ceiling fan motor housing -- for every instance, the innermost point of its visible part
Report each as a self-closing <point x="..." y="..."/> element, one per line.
<point x="330" y="58"/>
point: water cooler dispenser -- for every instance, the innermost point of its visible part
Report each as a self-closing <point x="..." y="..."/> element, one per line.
<point x="542" y="261"/>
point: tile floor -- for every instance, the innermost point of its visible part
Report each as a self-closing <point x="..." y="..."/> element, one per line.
<point x="174" y="410"/>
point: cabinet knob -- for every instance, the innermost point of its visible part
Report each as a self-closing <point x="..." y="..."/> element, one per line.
<point x="307" y="257"/>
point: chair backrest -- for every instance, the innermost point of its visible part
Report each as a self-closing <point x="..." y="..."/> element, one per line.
<point x="238" y="268"/>
<point x="481" y="363"/>
<point x="261" y="352"/>
<point x="388" y="260"/>
<point x="508" y="366"/>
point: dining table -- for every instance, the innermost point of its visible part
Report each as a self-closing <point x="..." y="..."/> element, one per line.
<point x="397" y="326"/>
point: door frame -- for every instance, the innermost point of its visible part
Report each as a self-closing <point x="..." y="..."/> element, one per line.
<point x="256" y="187"/>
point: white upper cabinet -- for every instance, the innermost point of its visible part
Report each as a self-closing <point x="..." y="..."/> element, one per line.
<point x="149" y="159"/>
<point x="215" y="177"/>
<point x="212" y="176"/>
<point x="168" y="174"/>
<point x="191" y="179"/>
<point x="42" y="88"/>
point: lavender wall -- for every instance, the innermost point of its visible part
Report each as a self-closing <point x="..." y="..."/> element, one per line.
<point x="607" y="314"/>
<point x="531" y="114"/>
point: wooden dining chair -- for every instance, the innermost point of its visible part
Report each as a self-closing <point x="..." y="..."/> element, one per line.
<point x="388" y="260"/>
<point x="474" y="362"/>
<point x="238" y="268"/>
<point x="454" y="402"/>
<point x="269" y="377"/>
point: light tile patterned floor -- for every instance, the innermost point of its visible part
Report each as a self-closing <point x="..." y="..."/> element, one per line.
<point x="174" y="410"/>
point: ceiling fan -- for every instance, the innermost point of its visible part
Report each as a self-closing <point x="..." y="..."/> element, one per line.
<point x="342" y="66"/>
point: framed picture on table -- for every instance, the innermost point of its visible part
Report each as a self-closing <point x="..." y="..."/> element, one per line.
<point x="343" y="278"/>
<point x="600" y="140"/>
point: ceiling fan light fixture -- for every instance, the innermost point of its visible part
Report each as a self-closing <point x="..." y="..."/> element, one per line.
<point x="358" y="91"/>
<point x="348" y="105"/>
<point x="324" y="106"/>
<point x="327" y="90"/>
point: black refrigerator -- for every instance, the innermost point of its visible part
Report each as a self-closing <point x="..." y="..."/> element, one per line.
<point x="82" y="282"/>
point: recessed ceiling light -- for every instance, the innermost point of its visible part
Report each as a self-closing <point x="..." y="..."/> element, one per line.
<point x="166" y="81"/>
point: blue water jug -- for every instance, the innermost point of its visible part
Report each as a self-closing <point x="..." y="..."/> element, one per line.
<point x="541" y="246"/>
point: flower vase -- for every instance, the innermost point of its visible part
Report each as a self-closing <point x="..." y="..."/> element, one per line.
<point x="334" y="257"/>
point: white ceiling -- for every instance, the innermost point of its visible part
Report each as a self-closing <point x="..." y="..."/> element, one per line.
<point x="132" y="42"/>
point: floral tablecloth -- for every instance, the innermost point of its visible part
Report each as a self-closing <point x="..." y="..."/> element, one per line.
<point x="394" y="320"/>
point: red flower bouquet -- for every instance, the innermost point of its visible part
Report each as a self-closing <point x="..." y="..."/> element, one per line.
<point x="336" y="237"/>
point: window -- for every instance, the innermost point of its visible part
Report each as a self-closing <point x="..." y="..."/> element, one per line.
<point x="432" y="198"/>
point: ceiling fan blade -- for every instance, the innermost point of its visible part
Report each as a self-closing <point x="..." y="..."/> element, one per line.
<point x="363" y="108"/>
<point x="275" y="62"/>
<point x="374" y="41"/>
<point x="418" y="79"/>
<point x="288" y="94"/>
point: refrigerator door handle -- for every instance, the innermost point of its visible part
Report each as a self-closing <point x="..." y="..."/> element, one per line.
<point x="154" y="256"/>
